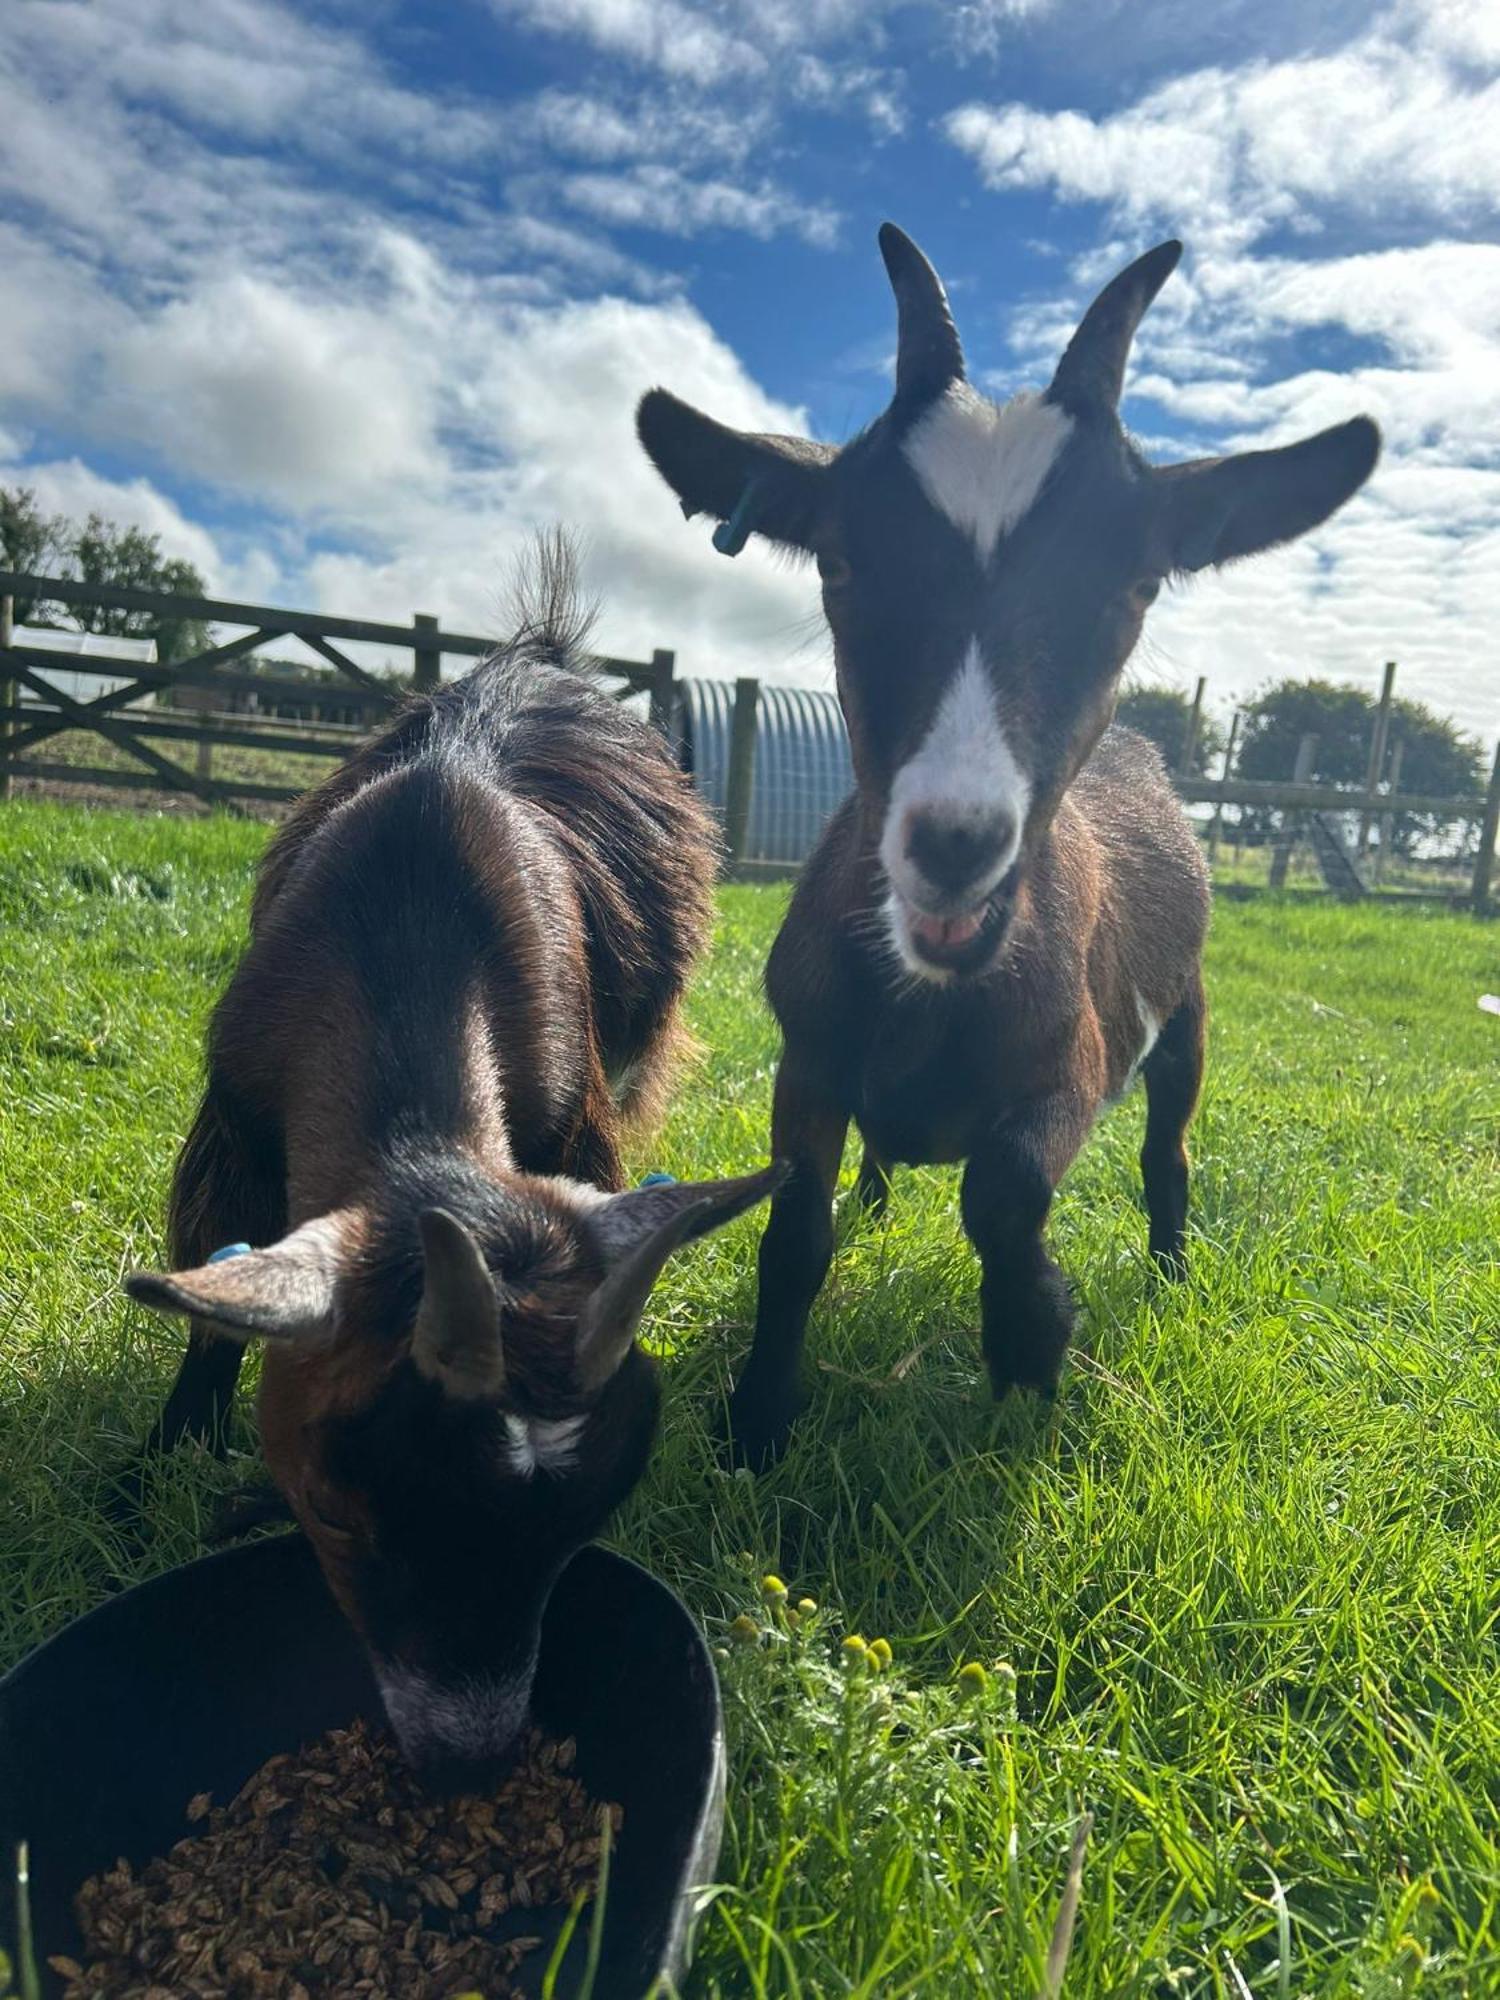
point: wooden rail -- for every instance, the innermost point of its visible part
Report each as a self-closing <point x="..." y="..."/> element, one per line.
<point x="219" y="669"/>
<point x="1286" y="797"/>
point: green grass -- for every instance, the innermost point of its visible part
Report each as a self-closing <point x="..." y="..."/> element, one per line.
<point x="1244" y="1575"/>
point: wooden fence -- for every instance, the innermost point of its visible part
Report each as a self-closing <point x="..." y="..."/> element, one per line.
<point x="220" y="667"/>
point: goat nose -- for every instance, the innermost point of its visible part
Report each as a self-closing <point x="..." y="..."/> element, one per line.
<point x="952" y="854"/>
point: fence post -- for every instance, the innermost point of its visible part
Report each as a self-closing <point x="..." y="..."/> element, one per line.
<point x="427" y="661"/>
<point x="1218" y="819"/>
<point x="204" y="762"/>
<point x="8" y="690"/>
<point x="1190" y="734"/>
<point x="1388" y="819"/>
<point x="1484" y="861"/>
<point x="1376" y="765"/>
<point x="1286" y="838"/>
<point x="741" y="783"/>
<point x="663" y="675"/>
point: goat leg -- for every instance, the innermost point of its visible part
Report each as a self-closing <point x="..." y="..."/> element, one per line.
<point x="225" y="1189"/>
<point x="807" y="1130"/>
<point x="873" y="1189"/>
<point x="1173" y="1073"/>
<point x="1026" y="1309"/>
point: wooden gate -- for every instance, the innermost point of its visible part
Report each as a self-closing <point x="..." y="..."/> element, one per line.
<point x="27" y="726"/>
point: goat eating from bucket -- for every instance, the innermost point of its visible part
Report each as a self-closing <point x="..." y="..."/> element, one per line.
<point x="1005" y="921"/>
<point x="467" y="954"/>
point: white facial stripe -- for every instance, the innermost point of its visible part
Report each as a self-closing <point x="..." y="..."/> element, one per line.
<point x="982" y="463"/>
<point x="965" y="772"/>
<point x="467" y="1719"/>
<point x="535" y="1442"/>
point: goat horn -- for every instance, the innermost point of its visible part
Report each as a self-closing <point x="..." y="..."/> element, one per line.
<point x="928" y="354"/>
<point x="1091" y="373"/>
<point x="456" y="1342"/>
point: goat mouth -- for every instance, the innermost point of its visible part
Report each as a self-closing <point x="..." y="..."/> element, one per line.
<point x="966" y="942"/>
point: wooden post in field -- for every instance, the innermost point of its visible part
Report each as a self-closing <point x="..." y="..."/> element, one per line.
<point x="8" y="689"/>
<point x="741" y="782"/>
<point x="663" y="678"/>
<point x="1189" y="748"/>
<point x="1388" y="819"/>
<point x="1218" y="819"/>
<point x="1484" y="861"/>
<point x="1286" y="837"/>
<point x="427" y="661"/>
<point x="1376" y="766"/>
<point x="204" y="763"/>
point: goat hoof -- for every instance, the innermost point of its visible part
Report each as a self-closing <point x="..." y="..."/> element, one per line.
<point x="758" y="1431"/>
<point x="1171" y="1262"/>
<point x="1043" y="1387"/>
<point x="1029" y="1353"/>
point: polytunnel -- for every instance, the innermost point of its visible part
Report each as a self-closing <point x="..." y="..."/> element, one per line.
<point x="802" y="767"/>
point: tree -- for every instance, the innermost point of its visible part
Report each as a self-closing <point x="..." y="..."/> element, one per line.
<point x="1437" y="757"/>
<point x="131" y="559"/>
<point x="32" y="541"/>
<point x="100" y="553"/>
<point x="1162" y="715"/>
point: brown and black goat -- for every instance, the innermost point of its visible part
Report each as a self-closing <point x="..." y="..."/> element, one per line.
<point x="1005" y="922"/>
<point x="467" y="952"/>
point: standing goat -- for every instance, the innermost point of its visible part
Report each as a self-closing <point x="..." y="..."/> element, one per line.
<point x="466" y="949"/>
<point x="1005" y="921"/>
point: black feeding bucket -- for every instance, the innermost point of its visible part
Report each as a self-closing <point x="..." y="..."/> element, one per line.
<point x="190" y="1682"/>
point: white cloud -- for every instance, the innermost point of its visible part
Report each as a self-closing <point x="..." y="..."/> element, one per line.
<point x="659" y="197"/>
<point x="680" y="40"/>
<point x="253" y="70"/>
<point x="593" y="126"/>
<point x="552" y="406"/>
<point x="175" y="135"/>
<point x="246" y="385"/>
<point x="1395" y="125"/>
<point x="73" y="488"/>
<point x="753" y="49"/>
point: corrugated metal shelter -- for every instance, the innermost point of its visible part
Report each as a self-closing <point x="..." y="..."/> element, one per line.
<point x="802" y="767"/>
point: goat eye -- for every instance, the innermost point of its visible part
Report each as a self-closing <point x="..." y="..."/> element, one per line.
<point x="1146" y="590"/>
<point x="834" y="571"/>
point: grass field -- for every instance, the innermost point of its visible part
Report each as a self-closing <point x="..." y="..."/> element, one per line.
<point x="1243" y="1578"/>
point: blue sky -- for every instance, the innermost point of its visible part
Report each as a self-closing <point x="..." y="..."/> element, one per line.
<point x="343" y="300"/>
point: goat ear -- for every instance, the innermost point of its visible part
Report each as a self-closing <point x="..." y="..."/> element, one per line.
<point x="456" y="1341"/>
<point x="1216" y="509"/>
<point x="638" y="1232"/>
<point x="764" y="485"/>
<point x="284" y="1292"/>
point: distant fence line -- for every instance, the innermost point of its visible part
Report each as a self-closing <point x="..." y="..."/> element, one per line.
<point x="773" y="762"/>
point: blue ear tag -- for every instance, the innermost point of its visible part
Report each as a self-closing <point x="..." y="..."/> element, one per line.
<point x="659" y="1180"/>
<point x="230" y="1250"/>
<point x="731" y="536"/>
